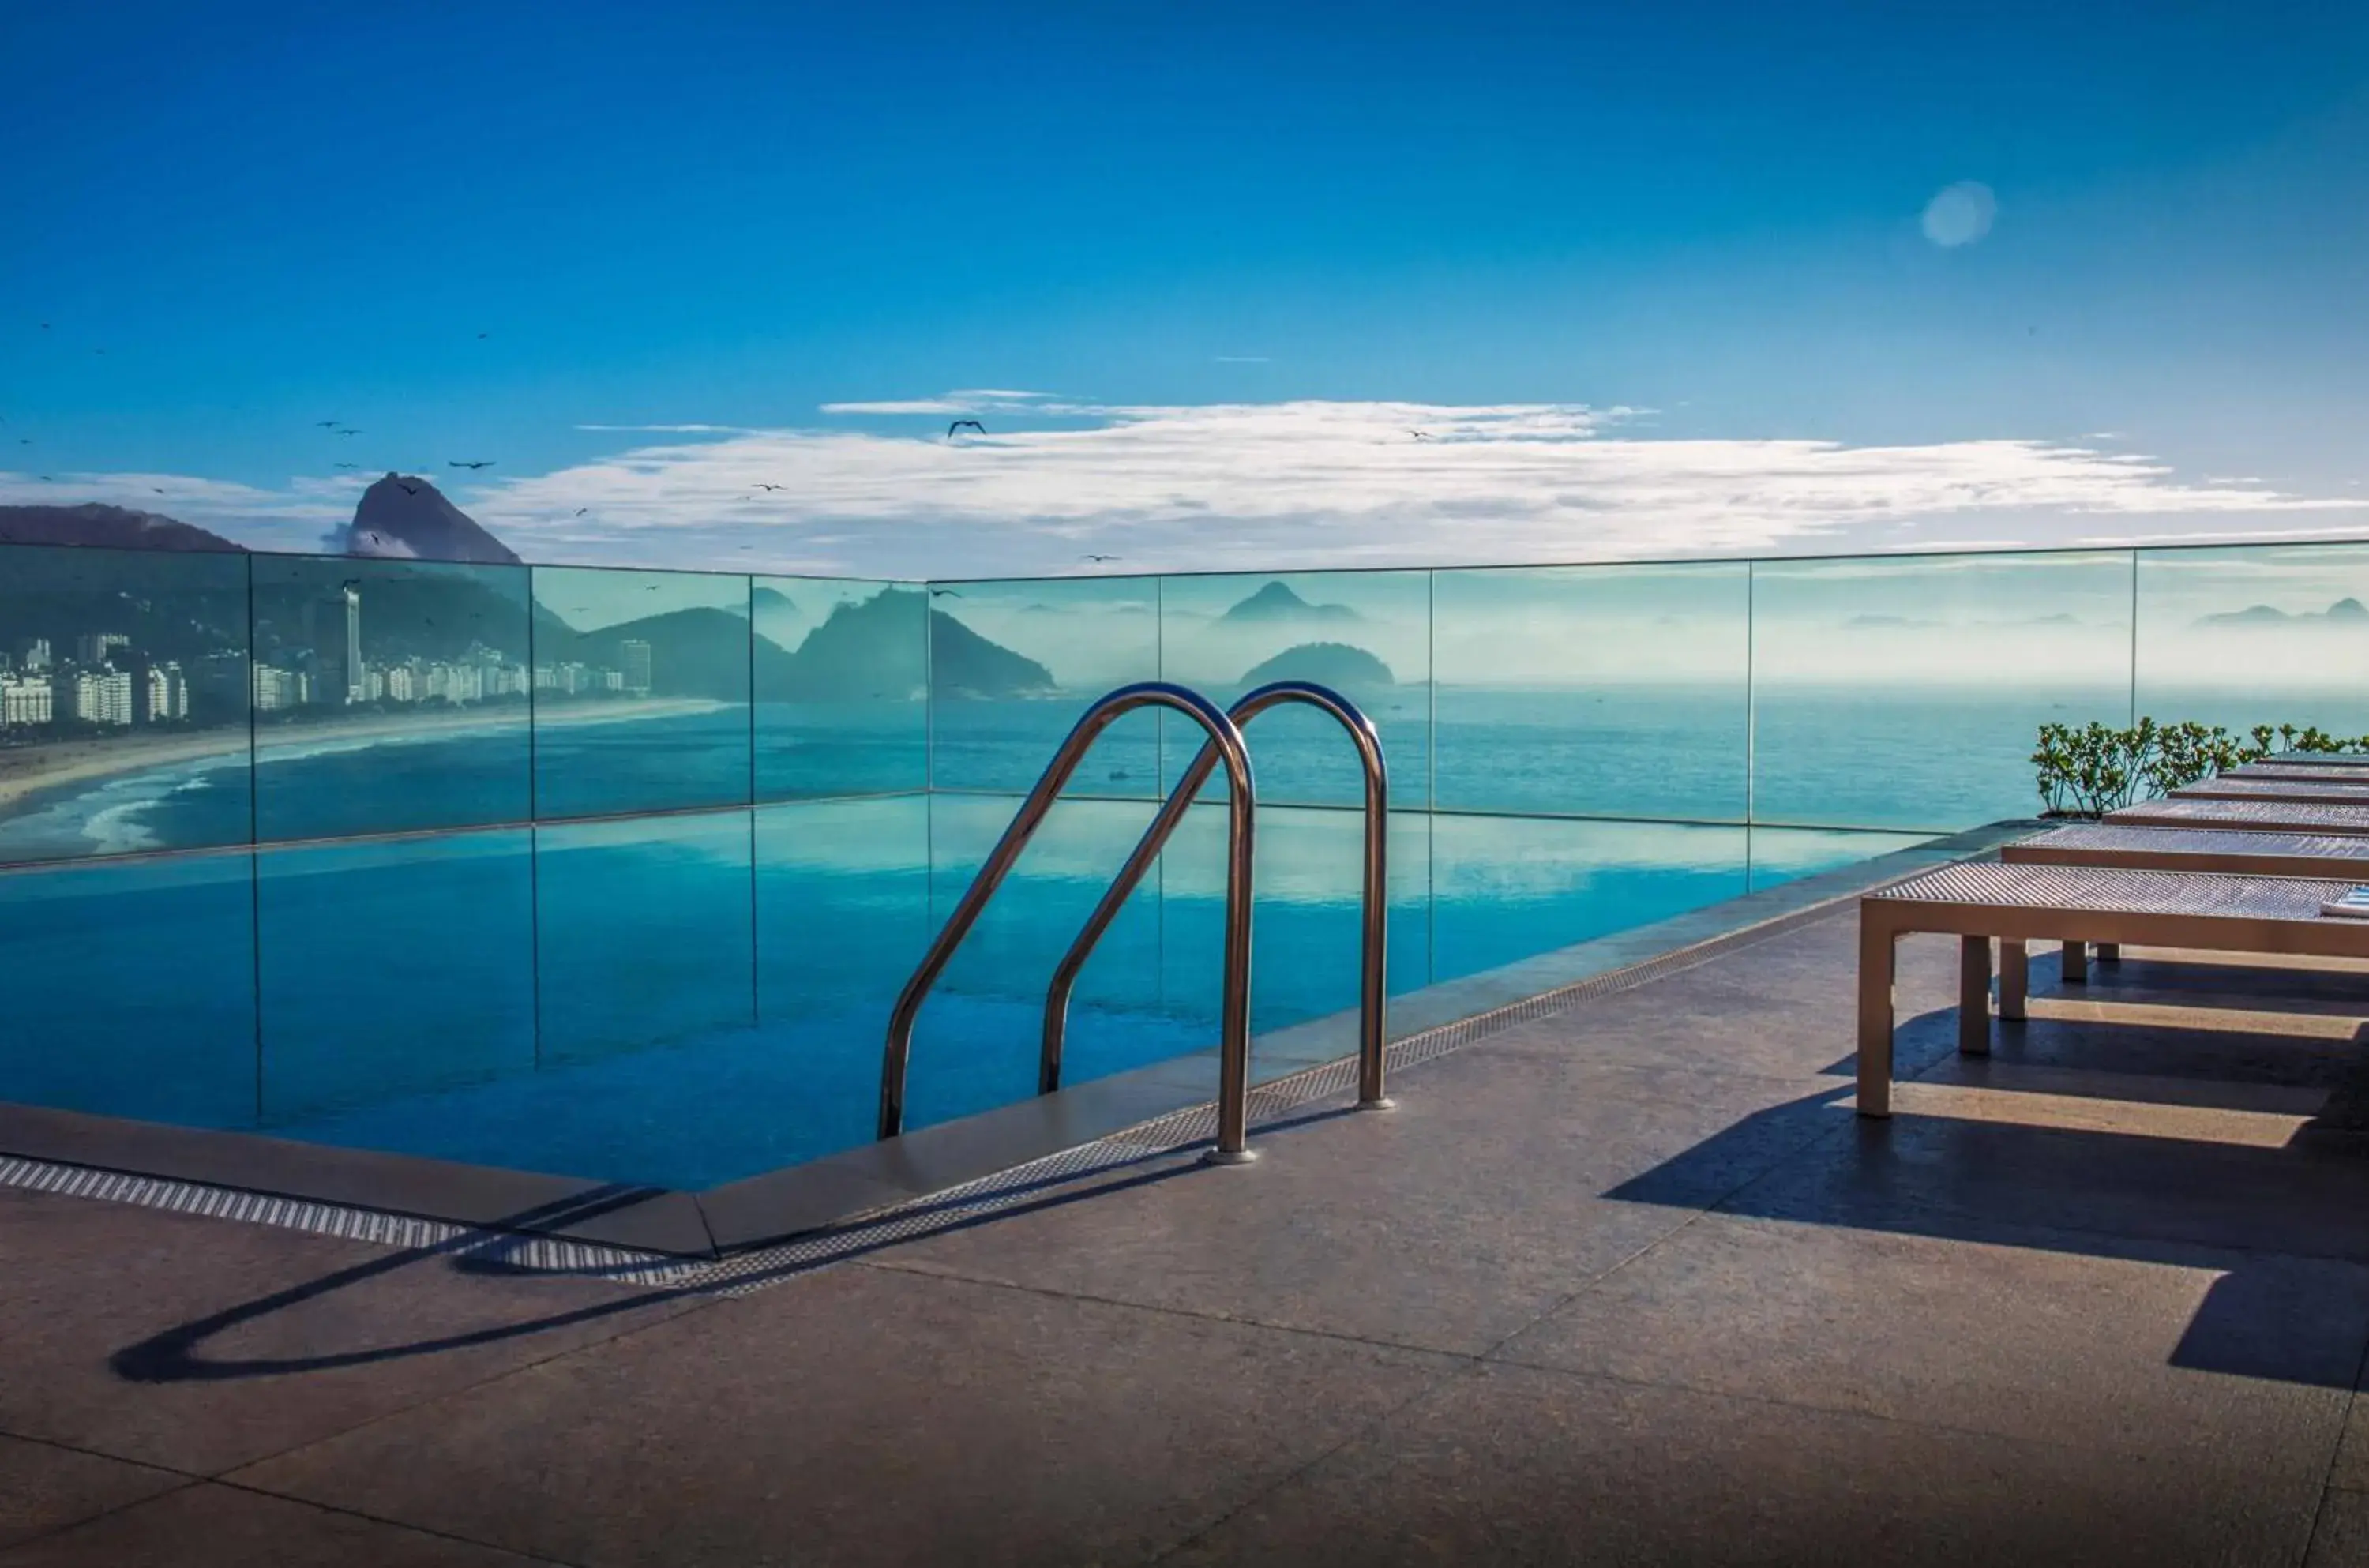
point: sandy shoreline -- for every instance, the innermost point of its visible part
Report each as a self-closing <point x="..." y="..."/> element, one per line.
<point x="29" y="770"/>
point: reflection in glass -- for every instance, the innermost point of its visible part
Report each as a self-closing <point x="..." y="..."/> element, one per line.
<point x="131" y="988"/>
<point x="1908" y="692"/>
<point x="390" y="696"/>
<point x="643" y="932"/>
<point x="393" y="968"/>
<point x="1782" y="855"/>
<point x="842" y="688"/>
<point x="1595" y="691"/>
<point x="641" y="691"/>
<point x="1013" y="664"/>
<point x="2271" y="635"/>
<point x="1365" y="634"/>
<point x="123" y="702"/>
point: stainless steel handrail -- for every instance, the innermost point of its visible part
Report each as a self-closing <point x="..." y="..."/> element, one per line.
<point x="1235" y="1004"/>
<point x="1373" y="980"/>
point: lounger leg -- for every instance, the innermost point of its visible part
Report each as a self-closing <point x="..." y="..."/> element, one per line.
<point x="2110" y="953"/>
<point x="2015" y="977"/>
<point x="1876" y="948"/>
<point x="1974" y="995"/>
<point x="2077" y="963"/>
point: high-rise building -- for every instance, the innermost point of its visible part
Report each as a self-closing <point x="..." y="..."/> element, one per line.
<point x="399" y="686"/>
<point x="637" y="655"/>
<point x="34" y="654"/>
<point x="25" y="700"/>
<point x="356" y="682"/>
<point x="96" y="648"/>
<point x="96" y="696"/>
<point x="167" y="694"/>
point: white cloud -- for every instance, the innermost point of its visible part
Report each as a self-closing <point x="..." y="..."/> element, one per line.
<point x="669" y="429"/>
<point x="1272" y="487"/>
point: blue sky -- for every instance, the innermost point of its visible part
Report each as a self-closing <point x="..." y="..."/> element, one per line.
<point x="1342" y="224"/>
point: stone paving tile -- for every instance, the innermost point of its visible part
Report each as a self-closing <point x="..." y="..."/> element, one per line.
<point x="2342" y="1537"/>
<point x="45" y="1488"/>
<point x="2030" y="1335"/>
<point x="207" y="1525"/>
<point x="866" y="1415"/>
<point x="1516" y="1465"/>
<point x="1446" y="1224"/>
<point x="357" y="1330"/>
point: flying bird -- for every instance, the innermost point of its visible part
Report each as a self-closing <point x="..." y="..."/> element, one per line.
<point x="488" y="462"/>
<point x="156" y="489"/>
<point x="1098" y="557"/>
<point x="408" y="490"/>
<point x="943" y="593"/>
<point x="327" y="424"/>
<point x="773" y="486"/>
<point x="348" y="465"/>
<point x="1420" y="435"/>
<point x="581" y="510"/>
<point x="345" y="432"/>
<point x="959" y="424"/>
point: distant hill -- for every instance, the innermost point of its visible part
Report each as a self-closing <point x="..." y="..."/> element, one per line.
<point x="1275" y="604"/>
<point x="2343" y="612"/>
<point x="874" y="649"/>
<point x="963" y="661"/>
<point x="770" y="601"/>
<point x="1327" y="664"/>
<point x="699" y="652"/>
<point x="118" y="528"/>
<point x="423" y="610"/>
<point x="403" y="517"/>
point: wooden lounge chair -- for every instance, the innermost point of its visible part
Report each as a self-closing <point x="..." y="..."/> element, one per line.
<point x="2224" y="851"/>
<point x="2247" y="816"/>
<point x="2018" y="904"/>
<point x="2337" y="791"/>
<point x="2313" y="759"/>
<point x="2297" y="774"/>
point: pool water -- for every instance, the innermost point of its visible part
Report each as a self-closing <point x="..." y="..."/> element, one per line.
<point x="685" y="999"/>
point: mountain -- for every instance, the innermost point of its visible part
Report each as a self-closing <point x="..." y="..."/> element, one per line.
<point x="2345" y="612"/>
<point x="699" y="652"/>
<point x="770" y="601"/>
<point x="1327" y="664"/>
<point x="874" y="649"/>
<point x="1275" y="604"/>
<point x="403" y="517"/>
<point x="118" y="528"/>
<point x="962" y="661"/>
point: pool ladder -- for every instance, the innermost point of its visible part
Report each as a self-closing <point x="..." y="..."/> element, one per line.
<point x="1225" y="745"/>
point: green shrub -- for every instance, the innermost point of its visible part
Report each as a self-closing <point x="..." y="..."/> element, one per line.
<point x="2095" y="768"/>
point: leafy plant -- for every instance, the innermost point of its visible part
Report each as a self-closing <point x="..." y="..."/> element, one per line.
<point x="2097" y="767"/>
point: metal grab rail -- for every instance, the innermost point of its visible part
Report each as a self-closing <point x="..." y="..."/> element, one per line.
<point x="1234" y="1006"/>
<point x="1373" y="993"/>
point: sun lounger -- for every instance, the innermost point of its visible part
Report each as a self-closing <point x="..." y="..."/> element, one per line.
<point x="2281" y="788"/>
<point x="2018" y="904"/>
<point x="2314" y="760"/>
<point x="2247" y="816"/>
<point x="2299" y="775"/>
<point x="2213" y="850"/>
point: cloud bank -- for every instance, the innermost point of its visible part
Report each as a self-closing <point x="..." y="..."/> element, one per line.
<point x="1268" y="486"/>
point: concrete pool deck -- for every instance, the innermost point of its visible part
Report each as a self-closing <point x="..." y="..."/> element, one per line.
<point x="1629" y="1282"/>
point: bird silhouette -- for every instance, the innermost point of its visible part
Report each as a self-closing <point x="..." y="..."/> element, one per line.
<point x="327" y="424"/>
<point x="348" y="465"/>
<point x="483" y="336"/>
<point x="156" y="489"/>
<point x="1090" y="557"/>
<point x="773" y="486"/>
<point x="1420" y="435"/>
<point x="408" y="490"/>
<point x="959" y="424"/>
<point x="943" y="593"/>
<point x="345" y="432"/>
<point x="581" y="510"/>
<point x="488" y="462"/>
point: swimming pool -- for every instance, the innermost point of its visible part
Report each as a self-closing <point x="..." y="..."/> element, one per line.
<point x="680" y="1000"/>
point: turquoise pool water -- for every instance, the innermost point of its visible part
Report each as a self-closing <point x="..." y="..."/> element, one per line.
<point x="681" y="1000"/>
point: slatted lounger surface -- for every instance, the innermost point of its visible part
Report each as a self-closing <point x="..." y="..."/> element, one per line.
<point x="2068" y="903"/>
<point x="2297" y="774"/>
<point x="2247" y="816"/>
<point x="2314" y="760"/>
<point x="2339" y="792"/>
<point x="2195" y="849"/>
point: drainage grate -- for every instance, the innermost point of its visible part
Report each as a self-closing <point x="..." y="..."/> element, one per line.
<point x="760" y="1267"/>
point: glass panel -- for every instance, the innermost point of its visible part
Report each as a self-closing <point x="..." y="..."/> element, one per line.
<point x="390" y="968"/>
<point x="123" y="702"/>
<point x="1013" y="664"/>
<point x="1908" y="692"/>
<point x="1310" y="898"/>
<point x="842" y="688"/>
<point x="1366" y="635"/>
<point x="641" y="691"/>
<point x="390" y="695"/>
<point x="2272" y="635"/>
<point x="1509" y="889"/>
<point x="644" y="932"/>
<point x="1782" y="855"/>
<point x="1595" y="691"/>
<point x="131" y="988"/>
<point x="842" y="913"/>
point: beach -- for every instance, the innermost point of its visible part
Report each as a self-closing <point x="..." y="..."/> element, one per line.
<point x="26" y="770"/>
